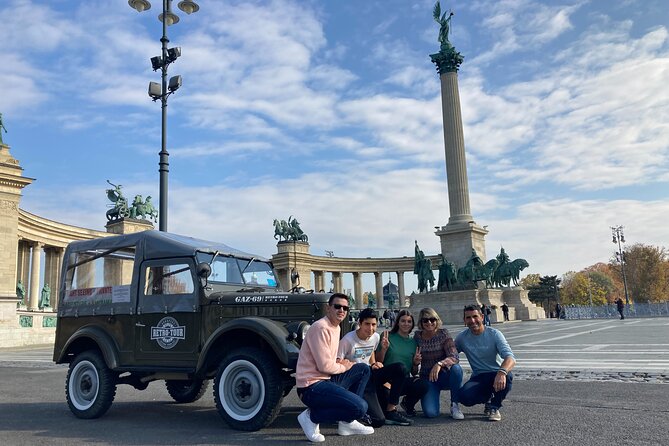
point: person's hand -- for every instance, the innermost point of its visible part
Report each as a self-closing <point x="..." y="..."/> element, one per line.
<point x="385" y="343"/>
<point x="500" y="382"/>
<point x="434" y="373"/>
<point x="377" y="365"/>
<point x="417" y="357"/>
<point x="346" y="363"/>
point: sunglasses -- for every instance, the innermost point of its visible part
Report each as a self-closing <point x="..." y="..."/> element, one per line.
<point x="425" y="320"/>
<point x="340" y="307"/>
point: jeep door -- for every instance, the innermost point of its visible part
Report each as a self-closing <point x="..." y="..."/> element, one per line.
<point x="167" y="317"/>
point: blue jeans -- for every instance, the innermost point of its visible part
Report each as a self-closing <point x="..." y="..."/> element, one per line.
<point x="338" y="398"/>
<point x="479" y="390"/>
<point x="448" y="379"/>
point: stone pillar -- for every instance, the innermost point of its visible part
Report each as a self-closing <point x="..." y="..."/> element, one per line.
<point x="11" y="183"/>
<point x="319" y="281"/>
<point x="338" y="285"/>
<point x="357" y="290"/>
<point x="378" y="278"/>
<point x="34" y="293"/>
<point x="52" y="264"/>
<point x="461" y="234"/>
<point x="23" y="262"/>
<point x="400" y="288"/>
<point x="454" y="146"/>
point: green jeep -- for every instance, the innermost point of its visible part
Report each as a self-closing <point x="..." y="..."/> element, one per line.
<point x="157" y="306"/>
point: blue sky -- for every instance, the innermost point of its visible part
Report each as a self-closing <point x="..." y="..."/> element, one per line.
<point x="330" y="111"/>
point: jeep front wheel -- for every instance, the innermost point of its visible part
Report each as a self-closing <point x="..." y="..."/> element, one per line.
<point x="186" y="391"/>
<point x="90" y="387"/>
<point x="248" y="389"/>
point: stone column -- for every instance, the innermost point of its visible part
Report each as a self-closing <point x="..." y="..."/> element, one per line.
<point x="52" y="272"/>
<point x="461" y="234"/>
<point x="378" y="278"/>
<point x="357" y="290"/>
<point x="338" y="285"/>
<point x="319" y="281"/>
<point x="34" y="294"/>
<point x="400" y="287"/>
<point x="454" y="147"/>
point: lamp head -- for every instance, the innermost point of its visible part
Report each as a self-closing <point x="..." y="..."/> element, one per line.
<point x="139" y="5"/>
<point x="156" y="63"/>
<point x="173" y="54"/>
<point x="189" y="6"/>
<point x="155" y="91"/>
<point x="175" y="83"/>
<point x="170" y="18"/>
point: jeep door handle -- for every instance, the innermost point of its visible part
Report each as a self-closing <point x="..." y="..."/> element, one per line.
<point x="139" y="324"/>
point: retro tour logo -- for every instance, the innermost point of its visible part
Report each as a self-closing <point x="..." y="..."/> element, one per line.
<point x="168" y="332"/>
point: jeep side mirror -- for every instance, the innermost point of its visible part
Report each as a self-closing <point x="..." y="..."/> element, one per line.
<point x="203" y="270"/>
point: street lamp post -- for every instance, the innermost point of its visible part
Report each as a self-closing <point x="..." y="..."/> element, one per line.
<point x="619" y="238"/>
<point x="164" y="89"/>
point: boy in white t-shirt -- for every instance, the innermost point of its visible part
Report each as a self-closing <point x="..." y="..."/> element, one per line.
<point x="359" y="346"/>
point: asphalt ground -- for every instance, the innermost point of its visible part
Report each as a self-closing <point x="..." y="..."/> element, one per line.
<point x="573" y="403"/>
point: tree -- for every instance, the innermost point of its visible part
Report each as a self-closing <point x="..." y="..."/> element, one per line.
<point x="529" y="281"/>
<point x="579" y="288"/>
<point x="544" y="291"/>
<point x="647" y="272"/>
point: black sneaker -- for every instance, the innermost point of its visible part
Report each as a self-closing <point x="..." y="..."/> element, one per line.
<point x="366" y="420"/>
<point x="410" y="411"/>
<point x="394" y="417"/>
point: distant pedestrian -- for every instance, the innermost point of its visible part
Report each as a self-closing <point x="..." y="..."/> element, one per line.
<point x="621" y="307"/>
<point x="558" y="310"/>
<point x="485" y="311"/>
<point x="505" y="310"/>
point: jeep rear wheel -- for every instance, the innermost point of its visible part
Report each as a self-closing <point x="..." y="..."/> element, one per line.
<point x="186" y="391"/>
<point x="248" y="389"/>
<point x="90" y="387"/>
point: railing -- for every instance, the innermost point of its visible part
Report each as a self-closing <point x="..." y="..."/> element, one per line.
<point x="610" y="311"/>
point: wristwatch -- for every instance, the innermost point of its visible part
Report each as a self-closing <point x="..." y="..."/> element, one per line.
<point x="441" y="364"/>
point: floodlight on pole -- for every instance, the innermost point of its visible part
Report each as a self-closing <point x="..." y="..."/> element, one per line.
<point x="163" y="90"/>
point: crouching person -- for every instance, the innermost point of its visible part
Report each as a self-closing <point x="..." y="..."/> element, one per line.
<point x="332" y="390"/>
<point x="491" y="360"/>
<point x="360" y="346"/>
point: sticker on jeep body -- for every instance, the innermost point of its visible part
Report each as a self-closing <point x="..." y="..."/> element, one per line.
<point x="260" y="299"/>
<point x="168" y="332"/>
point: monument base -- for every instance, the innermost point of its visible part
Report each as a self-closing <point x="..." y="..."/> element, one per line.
<point x="458" y="239"/>
<point x="449" y="304"/>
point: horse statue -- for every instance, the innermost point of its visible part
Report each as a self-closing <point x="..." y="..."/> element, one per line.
<point x="289" y="230"/>
<point x="516" y="267"/>
<point x="119" y="208"/>
<point x="144" y="209"/>
<point x="471" y="272"/>
<point x="488" y="270"/>
<point x="448" y="275"/>
<point x="297" y="232"/>
<point x="508" y="271"/>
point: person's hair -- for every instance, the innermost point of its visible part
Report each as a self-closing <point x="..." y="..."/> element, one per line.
<point x="472" y="307"/>
<point x="428" y="313"/>
<point x="396" y="325"/>
<point x="367" y="313"/>
<point x="337" y="296"/>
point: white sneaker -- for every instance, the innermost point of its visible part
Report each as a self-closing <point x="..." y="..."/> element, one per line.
<point x="456" y="413"/>
<point x="311" y="429"/>
<point x="354" y="428"/>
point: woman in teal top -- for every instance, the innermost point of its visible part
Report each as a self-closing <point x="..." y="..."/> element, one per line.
<point x="399" y="346"/>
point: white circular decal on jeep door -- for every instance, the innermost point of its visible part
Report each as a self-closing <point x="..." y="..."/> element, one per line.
<point x="168" y="332"/>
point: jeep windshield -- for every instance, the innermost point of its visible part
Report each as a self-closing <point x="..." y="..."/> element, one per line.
<point x="245" y="272"/>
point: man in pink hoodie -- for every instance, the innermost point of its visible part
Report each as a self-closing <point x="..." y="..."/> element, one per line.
<point x="331" y="389"/>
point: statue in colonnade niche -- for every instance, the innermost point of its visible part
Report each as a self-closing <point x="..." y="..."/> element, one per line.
<point x="45" y="297"/>
<point x="20" y="293"/>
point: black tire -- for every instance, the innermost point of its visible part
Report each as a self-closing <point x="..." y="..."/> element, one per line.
<point x="186" y="391"/>
<point x="90" y="387"/>
<point x="248" y="389"/>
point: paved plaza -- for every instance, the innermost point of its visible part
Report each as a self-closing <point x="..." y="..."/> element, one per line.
<point x="599" y="382"/>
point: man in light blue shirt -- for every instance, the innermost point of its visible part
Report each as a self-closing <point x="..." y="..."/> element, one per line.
<point x="491" y="360"/>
